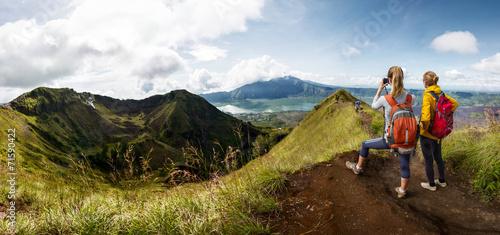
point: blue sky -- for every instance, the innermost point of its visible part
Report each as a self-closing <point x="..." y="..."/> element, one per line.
<point x="135" y="49"/>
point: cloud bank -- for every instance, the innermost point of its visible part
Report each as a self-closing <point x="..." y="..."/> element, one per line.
<point x="261" y="68"/>
<point x="490" y="64"/>
<point x="137" y="40"/>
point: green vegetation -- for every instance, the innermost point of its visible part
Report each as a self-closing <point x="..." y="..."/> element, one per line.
<point x="476" y="149"/>
<point x="275" y="120"/>
<point x="476" y="114"/>
<point x="269" y="138"/>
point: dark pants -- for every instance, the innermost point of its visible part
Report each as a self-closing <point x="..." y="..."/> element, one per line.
<point x="431" y="149"/>
<point x="379" y="143"/>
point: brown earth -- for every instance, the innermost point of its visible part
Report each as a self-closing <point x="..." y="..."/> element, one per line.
<point x="330" y="199"/>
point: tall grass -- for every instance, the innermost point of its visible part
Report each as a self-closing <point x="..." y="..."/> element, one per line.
<point x="219" y="206"/>
<point x="477" y="149"/>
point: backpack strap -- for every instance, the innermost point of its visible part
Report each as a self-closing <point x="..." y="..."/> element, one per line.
<point x="435" y="95"/>
<point x="394" y="105"/>
<point x="436" y="110"/>
<point x="408" y="101"/>
<point x="392" y="102"/>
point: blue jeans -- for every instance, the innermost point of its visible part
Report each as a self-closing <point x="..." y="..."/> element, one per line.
<point x="379" y="143"/>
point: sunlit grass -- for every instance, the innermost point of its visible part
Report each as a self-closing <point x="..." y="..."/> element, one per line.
<point x="477" y="149"/>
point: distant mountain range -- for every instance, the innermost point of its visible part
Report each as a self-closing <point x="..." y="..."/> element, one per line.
<point x="292" y="87"/>
<point x="277" y="88"/>
<point x="56" y="123"/>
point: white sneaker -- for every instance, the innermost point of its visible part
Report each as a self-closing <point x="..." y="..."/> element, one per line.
<point x="426" y="185"/>
<point x="442" y="185"/>
<point x="400" y="194"/>
<point x="352" y="166"/>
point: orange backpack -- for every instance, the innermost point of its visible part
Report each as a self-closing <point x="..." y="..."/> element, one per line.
<point x="403" y="130"/>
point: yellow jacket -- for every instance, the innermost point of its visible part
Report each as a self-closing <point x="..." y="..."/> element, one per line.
<point x="428" y="109"/>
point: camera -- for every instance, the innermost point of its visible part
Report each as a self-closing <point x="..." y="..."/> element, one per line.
<point x="386" y="80"/>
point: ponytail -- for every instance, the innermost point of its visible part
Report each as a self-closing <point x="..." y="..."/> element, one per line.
<point x="431" y="78"/>
<point x="396" y="73"/>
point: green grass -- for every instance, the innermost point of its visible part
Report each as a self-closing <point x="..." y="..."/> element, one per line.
<point x="288" y="119"/>
<point x="476" y="149"/>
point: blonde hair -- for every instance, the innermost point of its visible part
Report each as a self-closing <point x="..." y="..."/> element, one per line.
<point x="431" y="78"/>
<point x="396" y="73"/>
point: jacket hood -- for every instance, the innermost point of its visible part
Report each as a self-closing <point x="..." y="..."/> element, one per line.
<point x="435" y="88"/>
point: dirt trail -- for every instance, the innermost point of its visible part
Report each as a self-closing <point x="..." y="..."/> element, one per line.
<point x="330" y="199"/>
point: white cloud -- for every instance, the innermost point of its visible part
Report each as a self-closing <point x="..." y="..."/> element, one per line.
<point x="350" y="51"/>
<point x="463" y="42"/>
<point x="207" y="53"/>
<point x="258" y="69"/>
<point x="453" y="74"/>
<point x="265" y="68"/>
<point x="159" y="65"/>
<point x="202" y="80"/>
<point x="32" y="54"/>
<point x="490" y="64"/>
<point x="245" y="72"/>
<point x="118" y="40"/>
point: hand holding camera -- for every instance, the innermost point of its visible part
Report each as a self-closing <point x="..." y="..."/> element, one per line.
<point x="382" y="85"/>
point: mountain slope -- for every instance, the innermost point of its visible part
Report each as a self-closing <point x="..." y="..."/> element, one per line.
<point x="317" y="194"/>
<point x="60" y="122"/>
<point x="277" y="88"/>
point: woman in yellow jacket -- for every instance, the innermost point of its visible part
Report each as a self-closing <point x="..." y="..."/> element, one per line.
<point x="431" y="146"/>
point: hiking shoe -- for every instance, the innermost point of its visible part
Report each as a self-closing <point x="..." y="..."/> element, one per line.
<point x="442" y="185"/>
<point x="426" y="185"/>
<point x="352" y="166"/>
<point x="400" y="194"/>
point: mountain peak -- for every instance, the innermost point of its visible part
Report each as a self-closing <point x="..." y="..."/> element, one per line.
<point x="277" y="88"/>
<point x="44" y="99"/>
<point x="343" y="96"/>
<point x="340" y="96"/>
<point x="285" y="78"/>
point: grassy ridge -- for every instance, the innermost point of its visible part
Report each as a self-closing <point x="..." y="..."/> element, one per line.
<point x="331" y="128"/>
